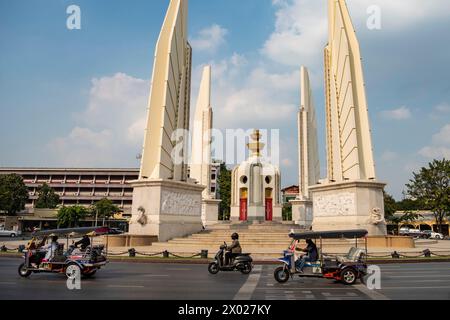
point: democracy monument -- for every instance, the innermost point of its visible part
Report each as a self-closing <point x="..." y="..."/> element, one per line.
<point x="169" y="203"/>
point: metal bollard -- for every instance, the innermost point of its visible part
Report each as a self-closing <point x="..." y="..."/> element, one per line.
<point x="204" y="254"/>
<point x="427" y="253"/>
<point x="3" y="248"/>
<point x="132" y="252"/>
<point x="166" y="254"/>
<point x="21" y="248"/>
<point x="395" y="255"/>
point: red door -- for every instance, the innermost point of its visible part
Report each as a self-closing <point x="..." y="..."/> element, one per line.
<point x="269" y="209"/>
<point x="243" y="210"/>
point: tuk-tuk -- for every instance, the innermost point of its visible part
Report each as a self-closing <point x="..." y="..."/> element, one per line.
<point x="84" y="261"/>
<point x="346" y="269"/>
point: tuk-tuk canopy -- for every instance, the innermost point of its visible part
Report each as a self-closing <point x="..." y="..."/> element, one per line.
<point x="91" y="231"/>
<point x="346" y="234"/>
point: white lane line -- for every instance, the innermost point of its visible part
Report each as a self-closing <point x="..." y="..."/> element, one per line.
<point x="156" y="275"/>
<point x="247" y="289"/>
<point x="372" y="294"/>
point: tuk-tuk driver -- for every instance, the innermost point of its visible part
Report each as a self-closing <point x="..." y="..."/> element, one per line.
<point x="84" y="242"/>
<point x="310" y="256"/>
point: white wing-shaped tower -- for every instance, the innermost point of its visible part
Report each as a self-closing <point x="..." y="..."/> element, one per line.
<point x="349" y="141"/>
<point x="164" y="150"/>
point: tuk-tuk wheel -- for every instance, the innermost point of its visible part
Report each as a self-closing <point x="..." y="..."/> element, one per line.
<point x="73" y="270"/>
<point x="23" y="271"/>
<point x="281" y="274"/>
<point x="349" y="276"/>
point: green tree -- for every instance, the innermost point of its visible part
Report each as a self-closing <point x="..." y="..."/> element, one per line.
<point x="104" y="209"/>
<point x="431" y="188"/>
<point x="69" y="217"/>
<point x="13" y="194"/>
<point x="224" y="182"/>
<point x="390" y="206"/>
<point x="47" y="198"/>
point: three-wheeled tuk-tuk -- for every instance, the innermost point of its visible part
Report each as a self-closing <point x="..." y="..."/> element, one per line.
<point x="346" y="269"/>
<point x="53" y="258"/>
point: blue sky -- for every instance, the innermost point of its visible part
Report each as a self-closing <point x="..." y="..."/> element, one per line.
<point x="78" y="97"/>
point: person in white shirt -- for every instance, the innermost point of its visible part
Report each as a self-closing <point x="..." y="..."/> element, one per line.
<point x="51" y="248"/>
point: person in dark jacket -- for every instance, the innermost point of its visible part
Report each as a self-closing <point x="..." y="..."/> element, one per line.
<point x="234" y="250"/>
<point x="311" y="255"/>
<point x="84" y="242"/>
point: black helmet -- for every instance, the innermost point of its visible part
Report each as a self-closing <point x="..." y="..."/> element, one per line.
<point x="235" y="236"/>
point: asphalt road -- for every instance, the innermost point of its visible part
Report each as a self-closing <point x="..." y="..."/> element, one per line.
<point x="193" y="282"/>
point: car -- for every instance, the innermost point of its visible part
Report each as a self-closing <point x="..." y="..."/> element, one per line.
<point x="115" y="231"/>
<point x="8" y="233"/>
<point x="433" y="235"/>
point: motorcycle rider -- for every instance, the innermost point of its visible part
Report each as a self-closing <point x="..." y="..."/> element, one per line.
<point x="234" y="250"/>
<point x="311" y="255"/>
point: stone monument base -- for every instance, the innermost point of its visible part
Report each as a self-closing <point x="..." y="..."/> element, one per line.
<point x="349" y="205"/>
<point x="210" y="211"/>
<point x="302" y="212"/>
<point x="257" y="213"/>
<point x="166" y="209"/>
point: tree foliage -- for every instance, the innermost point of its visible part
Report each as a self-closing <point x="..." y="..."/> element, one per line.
<point x="104" y="209"/>
<point x="224" y="182"/>
<point x="13" y="194"/>
<point x="69" y="217"/>
<point x="47" y="198"/>
<point x="390" y="205"/>
<point x="431" y="189"/>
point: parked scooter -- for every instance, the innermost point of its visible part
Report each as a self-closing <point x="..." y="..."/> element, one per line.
<point x="242" y="263"/>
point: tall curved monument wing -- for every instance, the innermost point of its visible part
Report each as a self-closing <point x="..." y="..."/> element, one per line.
<point x="309" y="151"/>
<point x="169" y="102"/>
<point x="308" y="154"/>
<point x="172" y="204"/>
<point x="349" y="142"/>
<point x="351" y="197"/>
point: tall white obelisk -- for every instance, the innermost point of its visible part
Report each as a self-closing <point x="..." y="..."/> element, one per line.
<point x="308" y="154"/>
<point x="200" y="168"/>
<point x="164" y="203"/>
<point x="352" y="197"/>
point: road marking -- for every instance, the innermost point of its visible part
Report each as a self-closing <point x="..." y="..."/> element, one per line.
<point x="7" y="283"/>
<point x="156" y="275"/>
<point x="247" y="289"/>
<point x="179" y="269"/>
<point x="372" y="294"/>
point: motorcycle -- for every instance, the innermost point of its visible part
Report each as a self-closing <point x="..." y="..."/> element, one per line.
<point x="242" y="263"/>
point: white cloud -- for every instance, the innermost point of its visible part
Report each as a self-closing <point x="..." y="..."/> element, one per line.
<point x="111" y="129"/>
<point x="440" y="145"/>
<point x="389" y="156"/>
<point x="402" y="113"/>
<point x="209" y="39"/>
<point x="301" y="29"/>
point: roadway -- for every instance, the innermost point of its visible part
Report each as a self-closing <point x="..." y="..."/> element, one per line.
<point x="131" y="281"/>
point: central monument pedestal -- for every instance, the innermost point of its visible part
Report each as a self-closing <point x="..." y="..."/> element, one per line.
<point x="166" y="209"/>
<point x="302" y="212"/>
<point x="349" y="205"/>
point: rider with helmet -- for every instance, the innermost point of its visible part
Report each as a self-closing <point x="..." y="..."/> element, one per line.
<point x="234" y="250"/>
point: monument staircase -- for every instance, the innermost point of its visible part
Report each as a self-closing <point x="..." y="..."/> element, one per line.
<point x="265" y="241"/>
